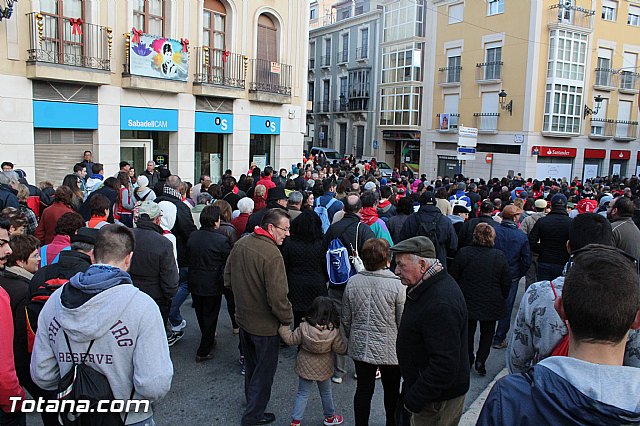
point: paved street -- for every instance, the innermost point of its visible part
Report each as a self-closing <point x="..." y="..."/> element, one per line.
<point x="212" y="393"/>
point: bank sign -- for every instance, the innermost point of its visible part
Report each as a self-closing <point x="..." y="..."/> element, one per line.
<point x="264" y="125"/>
<point x="211" y="122"/>
<point x="152" y="119"/>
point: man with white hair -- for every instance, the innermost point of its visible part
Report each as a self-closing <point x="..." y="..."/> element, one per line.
<point x="294" y="204"/>
<point x="8" y="190"/>
<point x="432" y="338"/>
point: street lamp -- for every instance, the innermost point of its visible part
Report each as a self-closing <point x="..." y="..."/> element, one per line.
<point x="589" y="111"/>
<point x="507" y="106"/>
<point x="6" y="11"/>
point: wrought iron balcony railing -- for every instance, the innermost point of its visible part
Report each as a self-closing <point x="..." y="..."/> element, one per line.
<point x="626" y="130"/>
<point x="601" y="128"/>
<point x="219" y="67"/>
<point x="489" y="72"/>
<point x="271" y="77"/>
<point x="486" y="122"/>
<point x="449" y="76"/>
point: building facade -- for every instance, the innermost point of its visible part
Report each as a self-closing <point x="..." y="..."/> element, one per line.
<point x="552" y="88"/>
<point x="343" y="76"/>
<point x="200" y="86"/>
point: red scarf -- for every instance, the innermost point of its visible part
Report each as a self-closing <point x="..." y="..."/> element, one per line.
<point x="368" y="215"/>
<point x="259" y="231"/>
<point x="383" y="203"/>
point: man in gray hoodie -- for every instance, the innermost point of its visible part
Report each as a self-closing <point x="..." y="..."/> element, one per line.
<point x="102" y="305"/>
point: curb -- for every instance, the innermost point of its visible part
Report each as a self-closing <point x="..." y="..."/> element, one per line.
<point x="470" y="416"/>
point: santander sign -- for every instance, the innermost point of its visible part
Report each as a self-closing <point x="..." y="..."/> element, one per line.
<point x="550" y="151"/>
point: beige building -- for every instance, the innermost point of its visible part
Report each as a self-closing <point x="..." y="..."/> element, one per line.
<point x="201" y="86"/>
<point x="527" y="75"/>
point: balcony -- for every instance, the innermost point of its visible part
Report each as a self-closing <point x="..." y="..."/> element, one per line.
<point x="604" y="79"/>
<point x="452" y="124"/>
<point x="61" y="51"/>
<point x="270" y="81"/>
<point x="358" y="104"/>
<point x="571" y="15"/>
<point x="625" y="131"/>
<point x="325" y="61"/>
<point x="489" y="72"/>
<point x="486" y="122"/>
<point x="341" y="105"/>
<point x="343" y="57"/>
<point x="601" y="129"/>
<point x="219" y="73"/>
<point x="449" y="76"/>
<point x="629" y="82"/>
<point x="362" y="53"/>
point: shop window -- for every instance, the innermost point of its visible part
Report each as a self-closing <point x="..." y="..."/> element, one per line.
<point x="149" y="16"/>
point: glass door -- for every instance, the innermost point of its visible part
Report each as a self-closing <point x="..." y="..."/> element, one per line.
<point x="137" y="152"/>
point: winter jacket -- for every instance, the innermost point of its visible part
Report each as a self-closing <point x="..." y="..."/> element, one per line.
<point x="9" y="384"/>
<point x="386" y="210"/>
<point x="457" y="222"/>
<point x="335" y="207"/>
<point x="465" y="236"/>
<point x="195" y="213"/>
<point x="256" y="217"/>
<point x="549" y="237"/>
<point x="626" y="236"/>
<point x="232" y="199"/>
<point x="432" y="343"/>
<point x="143" y="194"/>
<point x="306" y="271"/>
<point x="565" y="391"/>
<point x="228" y="231"/>
<point x="268" y="184"/>
<point x="47" y="226"/>
<point x="70" y="263"/>
<point x="240" y="223"/>
<point x="527" y="224"/>
<point x="17" y="287"/>
<point x="538" y="329"/>
<point x="207" y="250"/>
<point x="444" y="206"/>
<point x="183" y="227"/>
<point x="153" y="178"/>
<point x="483" y="275"/>
<point x="514" y="244"/>
<point x="460" y="196"/>
<point x="255" y="272"/>
<point x="394" y="224"/>
<point x="447" y="237"/>
<point x="130" y="344"/>
<point x="372" y="306"/>
<point x="110" y="193"/>
<point x="317" y="346"/>
<point x="345" y="229"/>
<point x="94" y="183"/>
<point x="8" y="197"/>
<point x="377" y="225"/>
<point x="153" y="269"/>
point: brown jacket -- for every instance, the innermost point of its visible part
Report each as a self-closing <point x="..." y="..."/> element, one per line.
<point x="256" y="274"/>
<point x="315" y="358"/>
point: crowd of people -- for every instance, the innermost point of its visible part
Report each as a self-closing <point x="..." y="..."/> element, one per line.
<point x="396" y="274"/>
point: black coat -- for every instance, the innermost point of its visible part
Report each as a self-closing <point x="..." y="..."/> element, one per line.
<point x="232" y="199"/>
<point x="18" y="289"/>
<point x="110" y="193"/>
<point x="208" y="251"/>
<point x="8" y="197"/>
<point x="183" y="227"/>
<point x="549" y="237"/>
<point x="69" y="263"/>
<point x="465" y="236"/>
<point x="153" y="267"/>
<point x="306" y="266"/>
<point x="484" y="277"/>
<point x="447" y="237"/>
<point x="432" y="343"/>
<point x="256" y="218"/>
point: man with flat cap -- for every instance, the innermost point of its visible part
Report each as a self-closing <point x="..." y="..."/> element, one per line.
<point x="432" y="339"/>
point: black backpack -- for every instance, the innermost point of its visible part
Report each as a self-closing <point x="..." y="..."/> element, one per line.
<point x="84" y="383"/>
<point x="429" y="229"/>
<point x="33" y="307"/>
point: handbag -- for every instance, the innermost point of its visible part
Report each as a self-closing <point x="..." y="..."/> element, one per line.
<point x="358" y="264"/>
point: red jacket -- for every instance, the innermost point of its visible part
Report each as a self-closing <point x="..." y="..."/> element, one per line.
<point x="47" y="226"/>
<point x="268" y="183"/>
<point x="9" y="385"/>
<point x="240" y="223"/>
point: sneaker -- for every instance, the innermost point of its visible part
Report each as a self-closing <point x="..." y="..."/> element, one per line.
<point x="378" y="375"/>
<point x="236" y="331"/>
<point x="243" y="369"/>
<point x="174" y="337"/>
<point x="499" y="345"/>
<point x="182" y="325"/>
<point x="295" y="422"/>
<point x="336" y="380"/>
<point x="333" y="420"/>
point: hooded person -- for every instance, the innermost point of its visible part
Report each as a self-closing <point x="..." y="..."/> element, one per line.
<point x="143" y="192"/>
<point x="167" y="222"/>
<point x="102" y="308"/>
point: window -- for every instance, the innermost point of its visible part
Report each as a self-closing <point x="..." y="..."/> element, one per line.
<point x="312" y="54"/>
<point x="562" y="108"/>
<point x="402" y="63"/>
<point x="327" y="52"/>
<point x="213" y="36"/>
<point x="326" y="93"/>
<point x="629" y="76"/>
<point x="364" y="43"/>
<point x="400" y="106"/>
<point x="609" y="10"/>
<point x="403" y="19"/>
<point x="311" y="91"/>
<point x="489" y="120"/>
<point x="345" y="13"/>
<point x="598" y="120"/>
<point x="313" y="14"/>
<point x="58" y="37"/>
<point x="453" y="65"/>
<point x="603" y="72"/>
<point x="343" y="87"/>
<point x="267" y="39"/>
<point x="456" y="13"/>
<point x="493" y="62"/>
<point x="359" y="84"/>
<point x="148" y="16"/>
<point x="344" y="55"/>
<point x="451" y="108"/>
<point x="495" y="7"/>
<point x="634" y="16"/>
<point x="624" y="115"/>
<point x="567" y="55"/>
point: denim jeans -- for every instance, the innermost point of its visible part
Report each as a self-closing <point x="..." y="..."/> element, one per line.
<point x="304" y="389"/>
<point x="505" y="322"/>
<point x="340" y="361"/>
<point x="183" y="291"/>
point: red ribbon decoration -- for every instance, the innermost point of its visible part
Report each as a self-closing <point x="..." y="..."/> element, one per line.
<point x="76" y="26"/>
<point x="185" y="44"/>
<point x="225" y="54"/>
<point x="135" y="35"/>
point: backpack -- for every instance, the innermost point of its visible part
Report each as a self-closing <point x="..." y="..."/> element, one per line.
<point x="430" y="230"/>
<point x="323" y="212"/>
<point x="457" y="201"/>
<point x="562" y="348"/>
<point x="136" y="206"/>
<point x="43" y="255"/>
<point x="89" y="385"/>
<point x="33" y="202"/>
<point x="339" y="262"/>
<point x="34" y="306"/>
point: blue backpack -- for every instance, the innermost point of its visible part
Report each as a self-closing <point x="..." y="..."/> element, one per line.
<point x="323" y="212"/>
<point x="339" y="262"/>
<point x="43" y="255"/>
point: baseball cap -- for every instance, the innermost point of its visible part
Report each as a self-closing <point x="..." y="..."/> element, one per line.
<point x="559" y="199"/>
<point x="540" y="204"/>
<point x="150" y="209"/>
